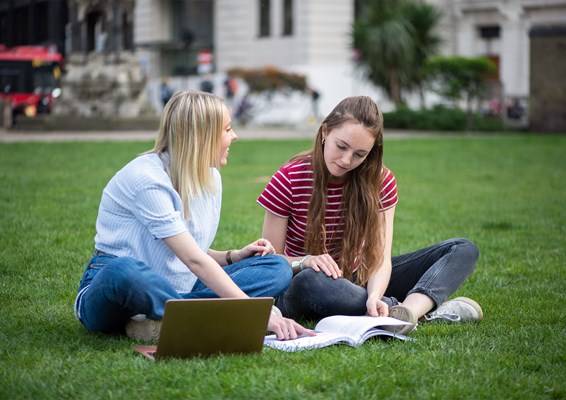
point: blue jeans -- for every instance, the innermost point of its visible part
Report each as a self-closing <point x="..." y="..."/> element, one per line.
<point x="113" y="289"/>
<point x="436" y="271"/>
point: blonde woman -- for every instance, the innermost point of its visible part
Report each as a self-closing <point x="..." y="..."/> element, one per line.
<point x="331" y="211"/>
<point x="158" y="217"/>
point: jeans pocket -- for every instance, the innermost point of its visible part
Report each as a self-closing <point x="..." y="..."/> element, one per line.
<point x="90" y="272"/>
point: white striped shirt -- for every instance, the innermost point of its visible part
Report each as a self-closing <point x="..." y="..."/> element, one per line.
<point x="288" y="195"/>
<point x="140" y="207"/>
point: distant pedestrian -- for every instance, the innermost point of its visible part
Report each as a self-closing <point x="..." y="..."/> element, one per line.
<point x="315" y="97"/>
<point x="165" y="91"/>
<point x="515" y="110"/>
<point x="206" y="84"/>
<point x="230" y="91"/>
<point x="243" y="114"/>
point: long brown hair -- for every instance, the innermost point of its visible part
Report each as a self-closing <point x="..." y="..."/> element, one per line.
<point x="362" y="243"/>
<point x="190" y="132"/>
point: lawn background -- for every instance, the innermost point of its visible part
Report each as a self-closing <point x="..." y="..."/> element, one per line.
<point x="504" y="192"/>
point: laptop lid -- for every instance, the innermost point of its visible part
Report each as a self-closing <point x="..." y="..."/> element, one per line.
<point x="203" y="327"/>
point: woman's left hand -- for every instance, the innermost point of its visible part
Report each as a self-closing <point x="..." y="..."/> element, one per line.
<point x="260" y="247"/>
<point x="377" y="308"/>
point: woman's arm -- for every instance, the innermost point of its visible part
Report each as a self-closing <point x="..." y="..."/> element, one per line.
<point x="260" y="247"/>
<point x="203" y="266"/>
<point x="215" y="278"/>
<point x="379" y="279"/>
<point x="275" y="230"/>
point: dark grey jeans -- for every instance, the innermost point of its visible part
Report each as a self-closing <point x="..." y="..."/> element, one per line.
<point x="436" y="271"/>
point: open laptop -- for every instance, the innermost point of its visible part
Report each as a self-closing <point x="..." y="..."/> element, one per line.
<point x="204" y="327"/>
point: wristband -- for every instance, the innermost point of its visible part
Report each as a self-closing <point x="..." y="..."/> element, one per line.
<point x="229" y="257"/>
<point x="299" y="263"/>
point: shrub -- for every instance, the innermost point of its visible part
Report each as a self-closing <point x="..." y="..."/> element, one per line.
<point x="270" y="79"/>
<point x="439" y="118"/>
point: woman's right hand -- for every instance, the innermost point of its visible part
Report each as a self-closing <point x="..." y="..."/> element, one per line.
<point x="324" y="263"/>
<point x="286" y="329"/>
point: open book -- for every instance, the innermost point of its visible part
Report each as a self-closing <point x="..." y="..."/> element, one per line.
<point x="350" y="330"/>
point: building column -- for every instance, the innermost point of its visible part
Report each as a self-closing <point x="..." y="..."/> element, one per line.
<point x="514" y="53"/>
<point x="76" y="31"/>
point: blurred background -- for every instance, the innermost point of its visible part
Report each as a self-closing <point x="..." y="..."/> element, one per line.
<point x="81" y="63"/>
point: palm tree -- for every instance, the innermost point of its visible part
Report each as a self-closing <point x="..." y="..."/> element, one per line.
<point x="424" y="18"/>
<point x="394" y="39"/>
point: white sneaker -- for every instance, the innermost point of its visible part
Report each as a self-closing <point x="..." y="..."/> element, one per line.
<point x="460" y="309"/>
<point x="402" y="313"/>
<point x="139" y="327"/>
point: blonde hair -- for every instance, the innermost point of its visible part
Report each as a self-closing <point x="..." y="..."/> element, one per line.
<point x="190" y="132"/>
<point x="362" y="242"/>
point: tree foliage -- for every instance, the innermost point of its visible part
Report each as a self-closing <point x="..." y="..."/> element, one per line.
<point x="394" y="39"/>
<point x="460" y="78"/>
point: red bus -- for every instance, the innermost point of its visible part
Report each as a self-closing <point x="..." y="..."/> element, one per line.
<point x="30" y="79"/>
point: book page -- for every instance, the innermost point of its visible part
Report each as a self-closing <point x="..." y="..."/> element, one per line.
<point x="304" y="342"/>
<point x="381" y="332"/>
<point x="354" y="326"/>
<point x="350" y="330"/>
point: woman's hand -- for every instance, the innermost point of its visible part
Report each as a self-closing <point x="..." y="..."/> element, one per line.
<point x="286" y="329"/>
<point x="377" y="308"/>
<point x="324" y="263"/>
<point x="260" y="247"/>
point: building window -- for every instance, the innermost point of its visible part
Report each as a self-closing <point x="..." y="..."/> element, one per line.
<point x="264" y="17"/>
<point x="489" y="32"/>
<point x="287" y="17"/>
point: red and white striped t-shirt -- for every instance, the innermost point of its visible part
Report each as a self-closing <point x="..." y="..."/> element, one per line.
<point x="288" y="194"/>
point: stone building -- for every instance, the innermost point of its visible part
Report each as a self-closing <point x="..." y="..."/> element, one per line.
<point x="312" y="37"/>
<point x="103" y="78"/>
<point x="547" y="80"/>
<point x="503" y="30"/>
<point x="184" y="38"/>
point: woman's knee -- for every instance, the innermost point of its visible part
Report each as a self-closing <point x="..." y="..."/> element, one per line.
<point x="312" y="281"/>
<point x="468" y="249"/>
<point x="276" y="265"/>
<point x="275" y="261"/>
<point x="276" y="269"/>
<point x="328" y="296"/>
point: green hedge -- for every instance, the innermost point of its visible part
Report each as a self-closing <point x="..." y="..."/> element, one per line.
<point x="439" y="118"/>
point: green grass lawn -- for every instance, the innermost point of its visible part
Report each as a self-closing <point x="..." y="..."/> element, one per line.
<point x="506" y="193"/>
